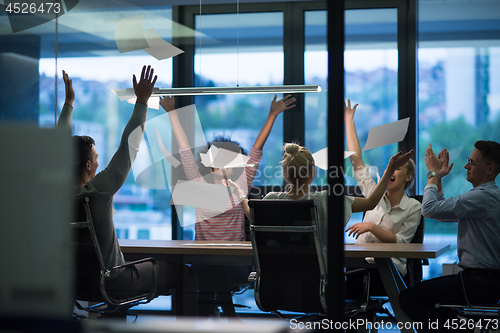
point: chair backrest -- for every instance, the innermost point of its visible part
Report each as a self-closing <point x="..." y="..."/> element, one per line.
<point x="419" y="233"/>
<point x="414" y="272"/>
<point x="288" y="258"/>
<point x="89" y="264"/>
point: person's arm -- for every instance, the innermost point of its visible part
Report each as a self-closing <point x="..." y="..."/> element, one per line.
<point x="445" y="169"/>
<point x="360" y="228"/>
<point x="187" y="158"/>
<point x="352" y="137"/>
<point x="364" y="204"/>
<point x="67" y="110"/>
<point x="112" y="178"/>
<point x="276" y="108"/>
<point x="404" y="235"/>
<point x="168" y="104"/>
<point x="240" y="194"/>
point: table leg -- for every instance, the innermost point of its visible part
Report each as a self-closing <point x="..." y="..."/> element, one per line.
<point x="393" y="284"/>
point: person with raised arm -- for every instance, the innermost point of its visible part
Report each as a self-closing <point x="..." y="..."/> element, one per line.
<point x="299" y="171"/>
<point x="100" y="189"/>
<point x="478" y="231"/>
<point x="229" y="225"/>
<point x="397" y="216"/>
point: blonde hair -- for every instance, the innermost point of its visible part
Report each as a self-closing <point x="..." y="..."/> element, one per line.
<point x="298" y="164"/>
<point x="410" y="168"/>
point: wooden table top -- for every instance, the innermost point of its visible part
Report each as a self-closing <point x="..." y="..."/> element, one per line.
<point x="189" y="247"/>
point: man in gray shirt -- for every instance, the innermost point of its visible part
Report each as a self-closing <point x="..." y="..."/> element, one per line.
<point x="478" y="245"/>
<point x="101" y="188"/>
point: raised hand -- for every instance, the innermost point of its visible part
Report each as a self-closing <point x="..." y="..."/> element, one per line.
<point x="68" y="86"/>
<point x="283" y="104"/>
<point x="444" y="156"/>
<point x="167" y="103"/>
<point x="432" y="162"/>
<point x="398" y="160"/>
<point x="144" y="88"/>
<point x="348" y="111"/>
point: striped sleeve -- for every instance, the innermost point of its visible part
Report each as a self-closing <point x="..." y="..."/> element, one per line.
<point x="189" y="165"/>
<point x="245" y="181"/>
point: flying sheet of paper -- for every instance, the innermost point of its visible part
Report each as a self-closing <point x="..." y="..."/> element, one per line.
<point x="223" y="158"/>
<point x="201" y="195"/>
<point x="172" y="160"/>
<point x="124" y="94"/>
<point x="321" y="157"/>
<point x="129" y="35"/>
<point x="387" y="134"/>
<point x="143" y="169"/>
<point x="159" y="48"/>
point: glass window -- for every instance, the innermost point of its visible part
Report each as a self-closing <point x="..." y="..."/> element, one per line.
<point x="86" y="49"/>
<point x="240" y="50"/>
<point x="370" y="34"/>
<point x="373" y="84"/>
<point x="458" y="95"/>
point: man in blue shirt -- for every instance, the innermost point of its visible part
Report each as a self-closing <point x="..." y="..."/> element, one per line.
<point x="478" y="241"/>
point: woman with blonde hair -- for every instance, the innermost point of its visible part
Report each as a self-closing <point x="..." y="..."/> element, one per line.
<point x="299" y="171"/>
<point x="396" y="217"/>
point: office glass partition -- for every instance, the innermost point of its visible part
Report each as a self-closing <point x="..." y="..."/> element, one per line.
<point x="82" y="42"/>
<point x="86" y="49"/>
<point x="232" y="50"/>
<point x="371" y="80"/>
<point x="458" y="94"/>
<point x="371" y="67"/>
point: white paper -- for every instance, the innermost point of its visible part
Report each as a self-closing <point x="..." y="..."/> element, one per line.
<point x="201" y="195"/>
<point x="321" y="158"/>
<point x="159" y="48"/>
<point x="223" y="158"/>
<point x="129" y="35"/>
<point x="172" y="160"/>
<point x="387" y="134"/>
<point x="124" y="94"/>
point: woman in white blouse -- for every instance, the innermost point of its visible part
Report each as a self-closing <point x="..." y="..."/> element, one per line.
<point x="396" y="217"/>
<point x="299" y="172"/>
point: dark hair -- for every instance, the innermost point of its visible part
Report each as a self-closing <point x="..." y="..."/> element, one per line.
<point x="221" y="141"/>
<point x="490" y="151"/>
<point x="224" y="142"/>
<point x="83" y="148"/>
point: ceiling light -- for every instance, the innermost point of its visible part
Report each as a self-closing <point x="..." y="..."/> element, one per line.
<point x="287" y="89"/>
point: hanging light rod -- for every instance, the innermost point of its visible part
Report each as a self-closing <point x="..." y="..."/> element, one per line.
<point x="290" y="89"/>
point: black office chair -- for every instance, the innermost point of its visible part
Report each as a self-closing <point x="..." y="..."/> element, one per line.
<point x="413" y="274"/>
<point x="414" y="265"/>
<point x="488" y="312"/>
<point x="290" y="273"/>
<point x="90" y="272"/>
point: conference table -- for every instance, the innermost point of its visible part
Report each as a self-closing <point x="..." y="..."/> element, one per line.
<point x="241" y="253"/>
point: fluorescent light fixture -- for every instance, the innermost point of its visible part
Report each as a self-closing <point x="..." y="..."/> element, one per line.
<point x="288" y="89"/>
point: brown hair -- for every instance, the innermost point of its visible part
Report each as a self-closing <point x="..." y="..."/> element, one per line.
<point x="83" y="149"/>
<point x="491" y="152"/>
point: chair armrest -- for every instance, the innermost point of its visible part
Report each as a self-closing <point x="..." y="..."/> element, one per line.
<point x="366" y="283"/>
<point x="152" y="294"/>
<point x="130" y="263"/>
